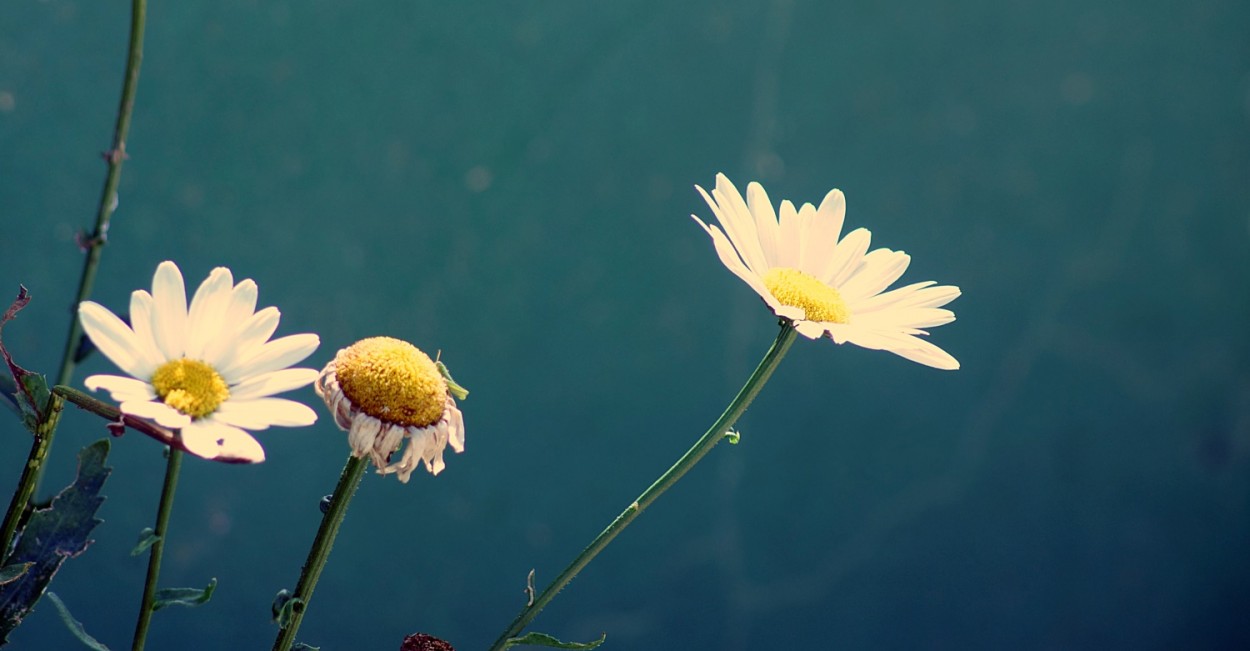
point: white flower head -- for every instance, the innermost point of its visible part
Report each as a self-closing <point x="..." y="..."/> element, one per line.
<point x="826" y="284"/>
<point x="207" y="369"/>
<point x="382" y="391"/>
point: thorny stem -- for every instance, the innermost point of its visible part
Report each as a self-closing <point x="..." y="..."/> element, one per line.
<point x="692" y="456"/>
<point x="31" y="474"/>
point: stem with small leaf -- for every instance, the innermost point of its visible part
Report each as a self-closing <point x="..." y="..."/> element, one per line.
<point x="692" y="456"/>
<point x="157" y="550"/>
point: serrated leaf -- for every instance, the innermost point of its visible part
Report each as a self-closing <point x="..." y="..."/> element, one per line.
<point x="189" y="597"/>
<point x="147" y="538"/>
<point x="29" y="390"/>
<point x="11" y="573"/>
<point x="542" y="639"/>
<point x="54" y="534"/>
<point x="75" y="626"/>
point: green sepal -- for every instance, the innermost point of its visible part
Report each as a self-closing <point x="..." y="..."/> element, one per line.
<point x="283" y="607"/>
<point x="456" y="390"/>
<point x="75" y="626"/>
<point x="542" y="639"/>
<point x="11" y="573"/>
<point x="189" y="597"/>
<point x="147" y="538"/>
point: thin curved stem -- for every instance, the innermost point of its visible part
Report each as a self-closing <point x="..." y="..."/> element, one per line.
<point x="687" y="461"/>
<point x="157" y="551"/>
<point x="42" y="445"/>
<point x="349" y="480"/>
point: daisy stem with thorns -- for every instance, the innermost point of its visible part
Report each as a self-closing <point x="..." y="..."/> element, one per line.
<point x="714" y="434"/>
<point x="319" y="553"/>
<point x="93" y="244"/>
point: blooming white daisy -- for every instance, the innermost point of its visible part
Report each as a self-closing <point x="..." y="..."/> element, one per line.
<point x="382" y="391"/>
<point x="824" y="285"/>
<point x="208" y="369"/>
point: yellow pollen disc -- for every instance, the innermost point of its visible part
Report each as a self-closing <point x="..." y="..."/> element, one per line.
<point x="797" y="289"/>
<point x="392" y="381"/>
<point x="190" y="386"/>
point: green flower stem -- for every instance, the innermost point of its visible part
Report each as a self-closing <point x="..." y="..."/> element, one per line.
<point x="353" y="470"/>
<point x="39" y="450"/>
<point x="172" y="467"/>
<point x="692" y="456"/>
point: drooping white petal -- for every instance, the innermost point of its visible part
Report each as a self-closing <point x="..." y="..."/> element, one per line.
<point x="160" y="412"/>
<point x="262" y="413"/>
<point x="115" y="339"/>
<point x="211" y="439"/>
<point x="277" y="354"/>
<point x="730" y="200"/>
<point x="169" y="310"/>
<point x="122" y="389"/>
<point x="730" y="223"/>
<point x="268" y="384"/>
<point x="207" y="315"/>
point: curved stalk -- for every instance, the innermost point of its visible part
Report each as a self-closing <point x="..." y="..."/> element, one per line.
<point x="687" y="461"/>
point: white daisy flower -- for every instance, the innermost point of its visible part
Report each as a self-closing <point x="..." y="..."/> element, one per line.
<point x="208" y="369"/>
<point x="824" y="285"/>
<point x="382" y="391"/>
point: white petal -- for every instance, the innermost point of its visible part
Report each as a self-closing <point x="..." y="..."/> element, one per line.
<point x="879" y="270"/>
<point x="277" y="354"/>
<point x="929" y="355"/>
<point x="788" y="236"/>
<point x="456" y="434"/>
<point x="765" y="222"/>
<point x="212" y="440"/>
<point x="160" y="412"/>
<point x="169" y="305"/>
<point x="239" y="311"/>
<point x="268" y="384"/>
<point x="810" y="255"/>
<point x="207" y="314"/>
<point x="265" y="412"/>
<point x="730" y="259"/>
<point x="730" y="222"/>
<point x="123" y="389"/>
<point x="847" y="256"/>
<point x="730" y="199"/>
<point x="828" y="226"/>
<point x="115" y="339"/>
<point x="810" y="329"/>
<point x="233" y="351"/>
<point x="141" y="323"/>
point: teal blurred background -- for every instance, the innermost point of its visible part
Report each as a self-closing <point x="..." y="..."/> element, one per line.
<point x="511" y="182"/>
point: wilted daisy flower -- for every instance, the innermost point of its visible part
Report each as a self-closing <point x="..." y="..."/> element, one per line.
<point x="383" y="390"/>
<point x="825" y="285"/>
<point x="207" y="370"/>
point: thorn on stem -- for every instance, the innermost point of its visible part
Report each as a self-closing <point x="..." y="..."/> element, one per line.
<point x="115" y="155"/>
<point x="117" y="427"/>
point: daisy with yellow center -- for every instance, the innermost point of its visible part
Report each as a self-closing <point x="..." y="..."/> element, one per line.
<point x="382" y="391"/>
<point x="825" y="284"/>
<point x="207" y="369"/>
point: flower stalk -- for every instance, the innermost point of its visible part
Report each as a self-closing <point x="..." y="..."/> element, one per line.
<point x="349" y="480"/>
<point x="687" y="461"/>
<point x="172" y="468"/>
<point x="93" y="245"/>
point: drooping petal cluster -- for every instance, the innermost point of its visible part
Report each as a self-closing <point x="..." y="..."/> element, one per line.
<point x="827" y="285"/>
<point x="208" y="368"/>
<point x="383" y="391"/>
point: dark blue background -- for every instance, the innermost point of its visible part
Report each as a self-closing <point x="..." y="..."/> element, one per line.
<point x="509" y="182"/>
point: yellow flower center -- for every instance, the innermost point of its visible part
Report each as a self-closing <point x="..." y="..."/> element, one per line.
<point x="190" y="386"/>
<point x="392" y="381"/>
<point x="819" y="301"/>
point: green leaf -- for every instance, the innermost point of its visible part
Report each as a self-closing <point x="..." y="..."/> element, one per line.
<point x="75" y="626"/>
<point x="542" y="639"/>
<point x="147" y="538"/>
<point x="456" y="390"/>
<point x="54" y="534"/>
<point x="732" y="437"/>
<point x="189" y="597"/>
<point x="11" y="573"/>
<point x="284" y="606"/>
<point x="300" y="646"/>
<point x="29" y="391"/>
